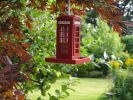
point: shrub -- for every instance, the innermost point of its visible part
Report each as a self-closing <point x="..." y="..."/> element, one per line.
<point x="95" y="74"/>
<point x="83" y="70"/>
<point x="128" y="41"/>
<point x="123" y="85"/>
<point x="96" y="41"/>
<point x="123" y="56"/>
<point x="101" y="39"/>
<point x="123" y="79"/>
<point x="90" y="70"/>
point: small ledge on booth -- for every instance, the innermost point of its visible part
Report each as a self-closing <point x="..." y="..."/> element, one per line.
<point x="81" y="60"/>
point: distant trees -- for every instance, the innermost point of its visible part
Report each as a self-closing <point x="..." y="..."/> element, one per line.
<point x="127" y="7"/>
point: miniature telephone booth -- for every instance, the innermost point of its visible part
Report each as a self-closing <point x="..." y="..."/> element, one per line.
<point x="68" y="41"/>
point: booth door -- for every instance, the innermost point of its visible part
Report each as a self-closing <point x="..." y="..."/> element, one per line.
<point x="77" y="41"/>
<point x="63" y="40"/>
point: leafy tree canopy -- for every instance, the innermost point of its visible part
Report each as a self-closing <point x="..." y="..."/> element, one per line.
<point x="15" y="19"/>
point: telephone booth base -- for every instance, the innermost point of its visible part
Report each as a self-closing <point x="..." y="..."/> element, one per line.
<point x="81" y="60"/>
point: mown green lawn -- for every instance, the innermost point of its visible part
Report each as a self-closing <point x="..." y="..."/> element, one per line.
<point x="87" y="89"/>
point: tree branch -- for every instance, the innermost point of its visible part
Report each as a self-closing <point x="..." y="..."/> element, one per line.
<point x="6" y="4"/>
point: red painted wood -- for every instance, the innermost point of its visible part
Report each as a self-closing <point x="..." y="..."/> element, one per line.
<point x="68" y="61"/>
<point x="68" y="41"/>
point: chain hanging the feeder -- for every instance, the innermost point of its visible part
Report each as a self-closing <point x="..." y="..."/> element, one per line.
<point x="69" y="8"/>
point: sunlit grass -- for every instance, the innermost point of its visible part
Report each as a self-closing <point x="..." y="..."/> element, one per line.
<point x="87" y="89"/>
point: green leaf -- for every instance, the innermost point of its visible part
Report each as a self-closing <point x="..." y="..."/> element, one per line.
<point x="66" y="93"/>
<point x="43" y="93"/>
<point x="53" y="98"/>
<point x="22" y="1"/>
<point x="57" y="92"/>
<point x="39" y="98"/>
<point x="64" y="88"/>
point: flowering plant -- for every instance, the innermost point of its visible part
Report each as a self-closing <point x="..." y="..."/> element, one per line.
<point x="129" y="62"/>
<point x="115" y="64"/>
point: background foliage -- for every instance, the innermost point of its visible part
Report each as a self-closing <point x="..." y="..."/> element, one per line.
<point x="127" y="40"/>
<point x="96" y="42"/>
<point x="21" y="72"/>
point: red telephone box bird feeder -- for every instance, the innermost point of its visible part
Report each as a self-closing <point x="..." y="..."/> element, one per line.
<point x="68" y="41"/>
